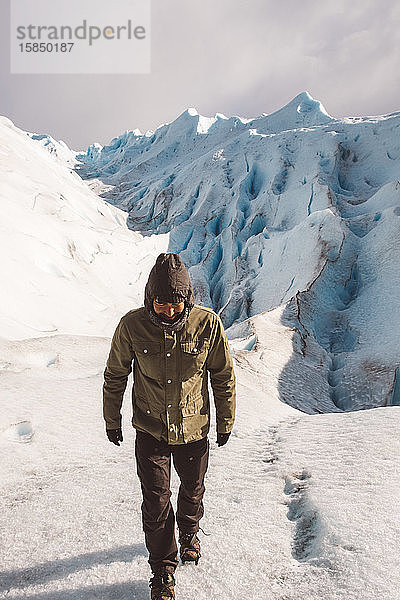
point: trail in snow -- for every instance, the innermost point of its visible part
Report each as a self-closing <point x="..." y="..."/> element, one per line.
<point x="288" y="502"/>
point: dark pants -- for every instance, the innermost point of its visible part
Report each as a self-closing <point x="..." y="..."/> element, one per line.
<point x="153" y="459"/>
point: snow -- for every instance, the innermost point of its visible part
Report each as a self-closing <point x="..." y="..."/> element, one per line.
<point x="295" y="504"/>
<point x="289" y="223"/>
<point x="70" y="263"/>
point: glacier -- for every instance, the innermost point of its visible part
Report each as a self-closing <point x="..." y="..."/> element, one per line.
<point x="295" y="208"/>
<point x="289" y="223"/>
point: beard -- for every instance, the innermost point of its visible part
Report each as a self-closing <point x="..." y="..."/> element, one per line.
<point x="169" y="324"/>
<point x="166" y="319"/>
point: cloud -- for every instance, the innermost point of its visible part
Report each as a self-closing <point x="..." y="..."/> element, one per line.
<point x="225" y="56"/>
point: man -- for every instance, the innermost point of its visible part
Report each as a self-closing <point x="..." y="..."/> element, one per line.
<point x="174" y="346"/>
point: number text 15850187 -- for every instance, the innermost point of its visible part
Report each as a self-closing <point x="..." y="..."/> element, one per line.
<point x="46" y="47"/>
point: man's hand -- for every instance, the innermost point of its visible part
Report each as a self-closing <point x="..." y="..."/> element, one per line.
<point x="115" y="436"/>
<point x="222" y="438"/>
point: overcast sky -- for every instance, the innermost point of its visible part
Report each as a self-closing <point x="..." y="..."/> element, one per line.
<point x="238" y="57"/>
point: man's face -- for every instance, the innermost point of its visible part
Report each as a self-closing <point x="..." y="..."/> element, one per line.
<point x="169" y="310"/>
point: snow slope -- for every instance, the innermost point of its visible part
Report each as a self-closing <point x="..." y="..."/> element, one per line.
<point x="296" y="505"/>
<point x="295" y="208"/>
<point x="70" y="264"/>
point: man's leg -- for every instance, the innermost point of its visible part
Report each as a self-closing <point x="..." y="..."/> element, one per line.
<point x="190" y="462"/>
<point x="154" y="469"/>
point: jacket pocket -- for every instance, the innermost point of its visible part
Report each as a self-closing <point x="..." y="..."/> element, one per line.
<point x="194" y="355"/>
<point x="144" y="416"/>
<point x="140" y="404"/>
<point x="147" y="358"/>
<point x="195" y="417"/>
<point x="192" y="406"/>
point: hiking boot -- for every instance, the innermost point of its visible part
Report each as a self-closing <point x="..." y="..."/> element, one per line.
<point x="162" y="585"/>
<point x="189" y="547"/>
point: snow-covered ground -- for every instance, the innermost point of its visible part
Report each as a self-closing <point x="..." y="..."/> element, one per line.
<point x="298" y="503"/>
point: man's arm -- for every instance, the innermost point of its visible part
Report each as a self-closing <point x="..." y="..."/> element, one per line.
<point x="119" y="365"/>
<point x="222" y="377"/>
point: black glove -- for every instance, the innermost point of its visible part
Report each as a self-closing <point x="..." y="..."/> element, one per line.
<point x="115" y="436"/>
<point x="222" y="438"/>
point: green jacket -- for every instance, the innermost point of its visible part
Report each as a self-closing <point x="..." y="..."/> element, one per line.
<point x="170" y="397"/>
